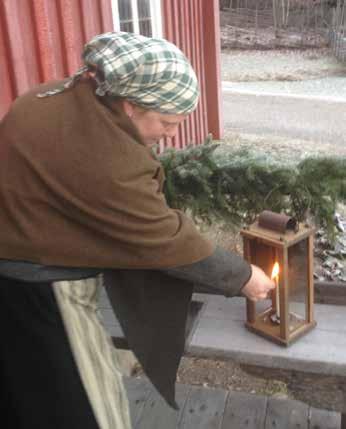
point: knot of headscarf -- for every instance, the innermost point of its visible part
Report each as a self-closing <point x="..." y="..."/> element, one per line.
<point x="152" y="73"/>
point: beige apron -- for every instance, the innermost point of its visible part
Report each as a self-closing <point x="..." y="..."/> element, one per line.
<point x="94" y="353"/>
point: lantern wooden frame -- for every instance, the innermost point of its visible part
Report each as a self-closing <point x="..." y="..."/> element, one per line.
<point x="260" y="242"/>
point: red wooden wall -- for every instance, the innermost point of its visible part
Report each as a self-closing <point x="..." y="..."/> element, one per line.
<point x="194" y="26"/>
<point x="41" y="40"/>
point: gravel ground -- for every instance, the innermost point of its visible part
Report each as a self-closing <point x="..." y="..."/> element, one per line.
<point x="227" y="375"/>
<point x="224" y="375"/>
<point x="282" y="148"/>
<point x="279" y="65"/>
<point x="309" y="73"/>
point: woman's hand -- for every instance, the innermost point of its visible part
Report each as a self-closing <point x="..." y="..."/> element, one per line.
<point x="259" y="285"/>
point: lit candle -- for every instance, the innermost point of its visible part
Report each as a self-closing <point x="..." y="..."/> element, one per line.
<point x="275" y="277"/>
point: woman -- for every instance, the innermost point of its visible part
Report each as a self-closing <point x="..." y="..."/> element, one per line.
<point x="80" y="195"/>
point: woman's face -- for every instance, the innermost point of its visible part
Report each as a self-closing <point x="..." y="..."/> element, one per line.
<point x="153" y="126"/>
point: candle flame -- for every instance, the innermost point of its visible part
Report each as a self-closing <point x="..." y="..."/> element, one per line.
<point x="276" y="270"/>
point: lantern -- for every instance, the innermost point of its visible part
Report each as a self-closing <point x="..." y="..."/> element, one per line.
<point x="283" y="249"/>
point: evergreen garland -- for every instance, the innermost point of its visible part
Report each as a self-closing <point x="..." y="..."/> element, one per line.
<point x="215" y="182"/>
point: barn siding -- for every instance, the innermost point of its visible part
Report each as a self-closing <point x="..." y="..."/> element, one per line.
<point x="41" y="40"/>
<point x="194" y="26"/>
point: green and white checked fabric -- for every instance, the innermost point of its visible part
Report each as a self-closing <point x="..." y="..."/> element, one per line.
<point x="152" y="73"/>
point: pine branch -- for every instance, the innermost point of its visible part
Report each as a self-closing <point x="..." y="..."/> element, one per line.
<point x="215" y="182"/>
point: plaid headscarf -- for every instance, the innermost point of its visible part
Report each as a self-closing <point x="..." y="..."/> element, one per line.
<point x="151" y="73"/>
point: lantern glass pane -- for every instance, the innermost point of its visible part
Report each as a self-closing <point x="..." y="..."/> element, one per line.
<point x="263" y="256"/>
<point x="297" y="284"/>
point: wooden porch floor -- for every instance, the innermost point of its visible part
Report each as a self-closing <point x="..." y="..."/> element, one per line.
<point x="206" y="408"/>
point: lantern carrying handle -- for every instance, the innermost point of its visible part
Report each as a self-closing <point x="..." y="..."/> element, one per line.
<point x="277" y="222"/>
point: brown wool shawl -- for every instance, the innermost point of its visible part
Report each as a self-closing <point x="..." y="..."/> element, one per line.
<point x="78" y="188"/>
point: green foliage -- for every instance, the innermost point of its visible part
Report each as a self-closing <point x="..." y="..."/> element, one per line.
<point x="218" y="183"/>
<point x="321" y="183"/>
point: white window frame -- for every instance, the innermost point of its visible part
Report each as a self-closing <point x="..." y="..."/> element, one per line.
<point x="155" y="11"/>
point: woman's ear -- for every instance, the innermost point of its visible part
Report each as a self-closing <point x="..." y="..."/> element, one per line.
<point x="128" y="108"/>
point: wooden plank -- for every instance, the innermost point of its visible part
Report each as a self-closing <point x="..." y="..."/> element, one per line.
<point x="21" y="44"/>
<point x="106" y="16"/>
<point x="138" y="392"/>
<point x="218" y="336"/>
<point x="201" y="75"/>
<point x="158" y="415"/>
<point x="184" y="25"/>
<point x="91" y="18"/>
<point x="72" y="29"/>
<point x="197" y="114"/>
<point x="8" y="86"/>
<point x="278" y="239"/>
<point x="343" y="421"/>
<point x="212" y="67"/>
<point x="322" y="419"/>
<point x="310" y="291"/>
<point x="250" y="305"/>
<point x="283" y="297"/>
<point x="49" y="40"/>
<point x="204" y="409"/>
<point x="286" y="414"/>
<point x="244" y="410"/>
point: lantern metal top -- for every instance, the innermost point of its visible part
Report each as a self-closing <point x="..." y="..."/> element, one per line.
<point x="277" y="221"/>
<point x="277" y="230"/>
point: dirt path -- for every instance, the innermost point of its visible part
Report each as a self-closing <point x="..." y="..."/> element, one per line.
<point x="227" y="375"/>
<point x="279" y="65"/>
